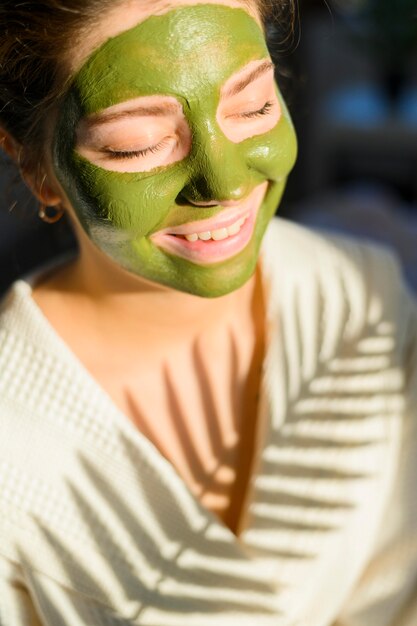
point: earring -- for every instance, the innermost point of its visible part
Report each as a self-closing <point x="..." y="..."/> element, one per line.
<point x="50" y="214"/>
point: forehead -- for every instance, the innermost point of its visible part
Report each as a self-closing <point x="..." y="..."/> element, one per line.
<point x="183" y="53"/>
<point x="128" y="13"/>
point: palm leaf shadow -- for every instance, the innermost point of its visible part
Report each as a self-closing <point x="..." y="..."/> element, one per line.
<point x="317" y="407"/>
<point x="146" y="546"/>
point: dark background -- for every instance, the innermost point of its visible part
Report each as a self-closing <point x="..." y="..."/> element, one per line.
<point x="350" y="81"/>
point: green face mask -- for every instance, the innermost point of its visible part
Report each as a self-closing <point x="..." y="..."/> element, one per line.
<point x="186" y="55"/>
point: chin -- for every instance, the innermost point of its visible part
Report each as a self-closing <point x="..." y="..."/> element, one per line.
<point x="159" y="270"/>
<point x="214" y="282"/>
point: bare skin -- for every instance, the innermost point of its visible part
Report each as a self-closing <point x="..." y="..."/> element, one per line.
<point x="185" y="370"/>
<point x="188" y="382"/>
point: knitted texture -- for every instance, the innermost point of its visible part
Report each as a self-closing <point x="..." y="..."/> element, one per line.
<point x="97" y="528"/>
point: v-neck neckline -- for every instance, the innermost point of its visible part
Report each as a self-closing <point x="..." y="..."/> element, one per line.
<point x="125" y="425"/>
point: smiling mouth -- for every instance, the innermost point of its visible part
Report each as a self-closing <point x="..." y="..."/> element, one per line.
<point x="214" y="239"/>
<point x="218" y="234"/>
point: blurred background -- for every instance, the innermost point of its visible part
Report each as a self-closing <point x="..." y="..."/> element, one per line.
<point x="349" y="75"/>
<point x="352" y="91"/>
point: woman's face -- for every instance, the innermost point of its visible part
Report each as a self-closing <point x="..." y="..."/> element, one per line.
<point x="173" y="147"/>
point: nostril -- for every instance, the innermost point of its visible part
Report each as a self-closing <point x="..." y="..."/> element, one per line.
<point x="200" y="193"/>
<point x="205" y="204"/>
<point x="194" y="199"/>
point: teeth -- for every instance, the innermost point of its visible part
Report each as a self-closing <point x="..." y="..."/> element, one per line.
<point x="234" y="228"/>
<point x="220" y="233"/>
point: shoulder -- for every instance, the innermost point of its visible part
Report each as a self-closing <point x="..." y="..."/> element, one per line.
<point x="302" y="248"/>
<point x="27" y="355"/>
<point x="47" y="413"/>
<point x="360" y="279"/>
<point x="334" y="299"/>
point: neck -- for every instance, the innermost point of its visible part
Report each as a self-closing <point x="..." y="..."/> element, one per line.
<point x="120" y="304"/>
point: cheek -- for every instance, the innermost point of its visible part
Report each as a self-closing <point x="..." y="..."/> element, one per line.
<point x="274" y="153"/>
<point x="126" y="202"/>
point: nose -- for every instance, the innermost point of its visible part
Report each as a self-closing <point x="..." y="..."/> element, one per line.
<point x="218" y="172"/>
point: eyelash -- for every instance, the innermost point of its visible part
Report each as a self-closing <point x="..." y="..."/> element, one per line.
<point x="126" y="154"/>
<point x="263" y="111"/>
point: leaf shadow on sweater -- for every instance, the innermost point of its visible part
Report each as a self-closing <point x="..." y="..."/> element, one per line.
<point x="328" y="443"/>
<point x="200" y="587"/>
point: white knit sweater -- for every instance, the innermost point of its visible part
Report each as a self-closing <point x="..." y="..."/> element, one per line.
<point x="97" y="528"/>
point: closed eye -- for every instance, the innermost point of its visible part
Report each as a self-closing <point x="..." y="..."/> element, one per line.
<point x="252" y="114"/>
<point x="132" y="154"/>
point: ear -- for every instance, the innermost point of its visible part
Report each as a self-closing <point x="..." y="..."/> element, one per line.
<point x="37" y="181"/>
<point x="10" y="146"/>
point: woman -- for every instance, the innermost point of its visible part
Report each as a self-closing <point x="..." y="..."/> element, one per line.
<point x="194" y="427"/>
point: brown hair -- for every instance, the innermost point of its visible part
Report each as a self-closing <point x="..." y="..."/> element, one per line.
<point x="36" y="40"/>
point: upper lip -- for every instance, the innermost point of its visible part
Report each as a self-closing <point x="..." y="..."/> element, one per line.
<point x="224" y="219"/>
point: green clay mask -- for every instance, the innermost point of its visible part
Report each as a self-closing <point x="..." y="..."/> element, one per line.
<point x="173" y="146"/>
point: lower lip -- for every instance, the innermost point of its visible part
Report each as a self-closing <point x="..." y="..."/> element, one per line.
<point x="206" y="252"/>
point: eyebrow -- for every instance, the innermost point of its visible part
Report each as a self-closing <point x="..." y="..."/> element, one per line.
<point x="240" y="85"/>
<point x="158" y="111"/>
<point x="169" y="108"/>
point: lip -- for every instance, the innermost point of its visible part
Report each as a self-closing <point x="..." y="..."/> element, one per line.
<point x="226" y="218"/>
<point x="207" y="252"/>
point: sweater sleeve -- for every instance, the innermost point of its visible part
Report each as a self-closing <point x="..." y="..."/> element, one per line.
<point x="386" y="594"/>
<point x="16" y="607"/>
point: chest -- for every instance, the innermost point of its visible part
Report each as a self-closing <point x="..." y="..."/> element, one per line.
<point x="199" y="408"/>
